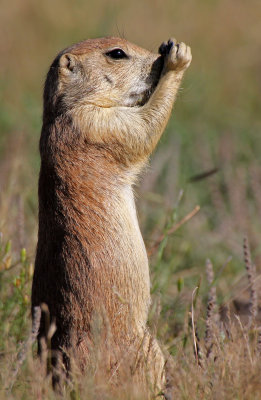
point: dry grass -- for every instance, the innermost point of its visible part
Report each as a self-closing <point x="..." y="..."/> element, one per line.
<point x="223" y="362"/>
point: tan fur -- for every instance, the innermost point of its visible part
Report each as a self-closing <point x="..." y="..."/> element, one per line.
<point x="102" y="119"/>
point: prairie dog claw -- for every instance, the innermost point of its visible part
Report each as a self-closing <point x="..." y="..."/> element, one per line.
<point x="177" y="56"/>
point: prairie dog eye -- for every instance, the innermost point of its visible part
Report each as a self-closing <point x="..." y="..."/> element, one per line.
<point x="116" y="54"/>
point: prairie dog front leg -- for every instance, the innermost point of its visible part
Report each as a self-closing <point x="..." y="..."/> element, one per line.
<point x="177" y="58"/>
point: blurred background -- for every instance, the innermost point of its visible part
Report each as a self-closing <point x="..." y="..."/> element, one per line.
<point x="209" y="155"/>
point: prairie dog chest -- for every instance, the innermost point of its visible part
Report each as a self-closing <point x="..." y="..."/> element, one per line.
<point x="132" y="227"/>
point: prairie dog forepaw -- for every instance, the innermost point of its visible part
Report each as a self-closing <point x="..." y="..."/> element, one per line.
<point x="177" y="56"/>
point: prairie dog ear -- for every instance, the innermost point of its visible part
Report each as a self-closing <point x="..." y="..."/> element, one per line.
<point x="68" y="63"/>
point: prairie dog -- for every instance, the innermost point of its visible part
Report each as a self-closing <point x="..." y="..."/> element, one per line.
<point x="106" y="104"/>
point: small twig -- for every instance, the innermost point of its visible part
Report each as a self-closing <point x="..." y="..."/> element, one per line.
<point x="203" y="175"/>
<point x="193" y="326"/>
<point x="174" y="228"/>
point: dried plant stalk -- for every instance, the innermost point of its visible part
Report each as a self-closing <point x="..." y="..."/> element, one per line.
<point x="225" y="317"/>
<point x="200" y="354"/>
<point x="246" y="339"/>
<point x="193" y="326"/>
<point x="31" y="339"/>
<point x="173" y="229"/>
<point x="211" y="305"/>
<point x="255" y="181"/>
<point x="251" y="275"/>
<point x="258" y="346"/>
<point x="36" y="323"/>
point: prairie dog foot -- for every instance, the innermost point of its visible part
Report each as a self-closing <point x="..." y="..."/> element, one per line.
<point x="177" y="56"/>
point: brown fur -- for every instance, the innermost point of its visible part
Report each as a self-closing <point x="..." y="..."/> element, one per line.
<point x="102" y="119"/>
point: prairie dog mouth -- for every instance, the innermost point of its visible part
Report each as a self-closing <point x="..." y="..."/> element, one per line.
<point x="145" y="96"/>
<point x="152" y="83"/>
<point x="139" y="99"/>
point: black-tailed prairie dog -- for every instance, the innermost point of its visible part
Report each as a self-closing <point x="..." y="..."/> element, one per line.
<point x="106" y="104"/>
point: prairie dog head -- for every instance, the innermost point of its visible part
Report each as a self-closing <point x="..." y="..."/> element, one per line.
<point x="107" y="72"/>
